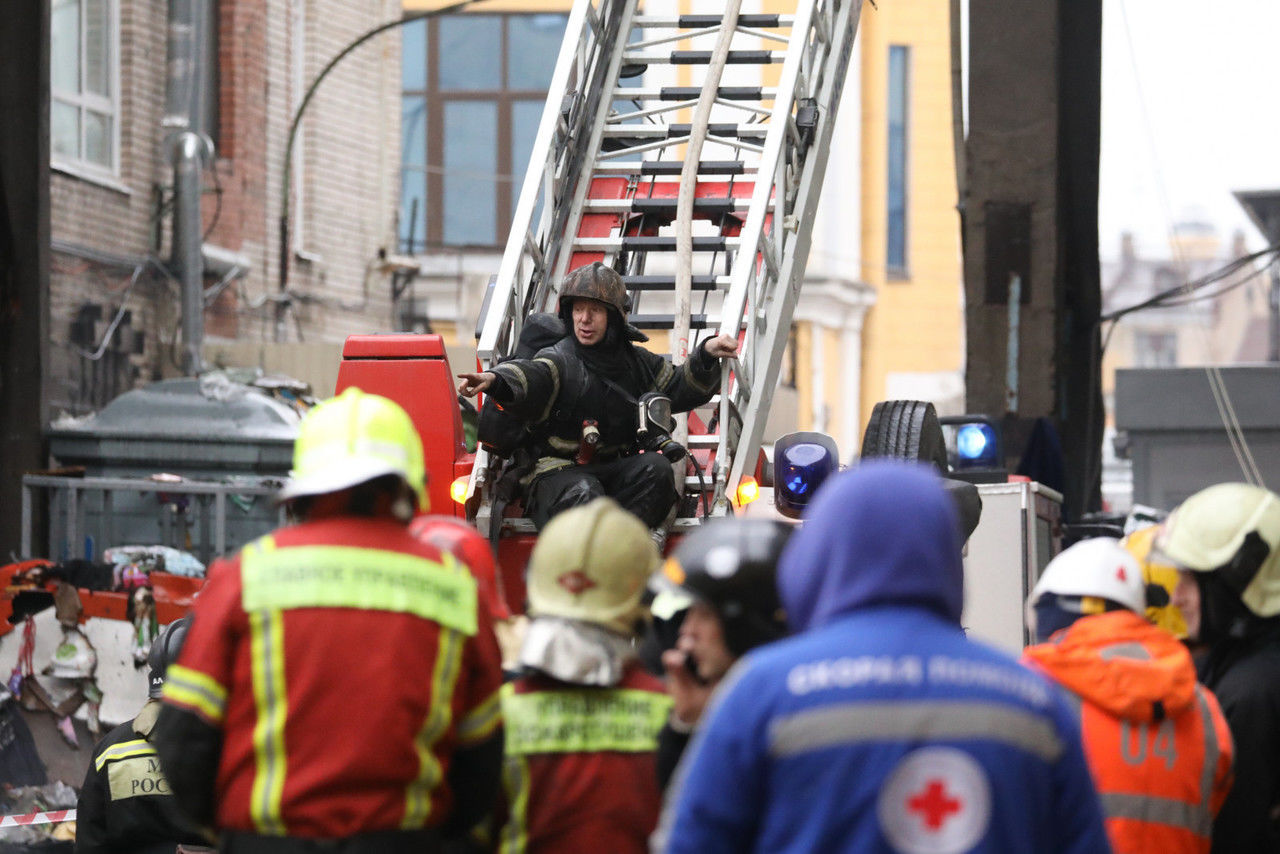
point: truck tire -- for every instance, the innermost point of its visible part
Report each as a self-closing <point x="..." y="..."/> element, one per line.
<point x="906" y="430"/>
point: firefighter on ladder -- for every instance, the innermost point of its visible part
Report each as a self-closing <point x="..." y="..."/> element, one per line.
<point x="597" y="375"/>
<point x="339" y="690"/>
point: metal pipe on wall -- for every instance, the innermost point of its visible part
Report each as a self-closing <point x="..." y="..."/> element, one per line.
<point x="186" y="150"/>
<point x="185" y="258"/>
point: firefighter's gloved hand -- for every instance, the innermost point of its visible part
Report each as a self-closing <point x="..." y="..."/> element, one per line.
<point x="473" y="384"/>
<point x="689" y="694"/>
<point x="722" y="346"/>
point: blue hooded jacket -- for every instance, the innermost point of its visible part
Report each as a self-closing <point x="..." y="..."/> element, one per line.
<point x="880" y="727"/>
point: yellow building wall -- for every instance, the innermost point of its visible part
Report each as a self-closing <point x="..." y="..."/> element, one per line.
<point x="917" y="322"/>
<point x="804" y="374"/>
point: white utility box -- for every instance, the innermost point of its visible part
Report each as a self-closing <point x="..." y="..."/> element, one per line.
<point x="1017" y="535"/>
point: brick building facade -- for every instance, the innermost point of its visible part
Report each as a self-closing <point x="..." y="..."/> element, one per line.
<point x="114" y="309"/>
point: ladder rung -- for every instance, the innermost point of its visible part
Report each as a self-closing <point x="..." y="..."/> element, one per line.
<point x="697" y="22"/>
<point x="727" y="130"/>
<point x="654" y="244"/>
<point x="668" y="321"/>
<point x="668" y="283"/>
<point x="703" y="57"/>
<point x="703" y="440"/>
<point x="691" y="93"/>
<point x="705" y="167"/>
<point x="672" y="167"/>
<point x="691" y="483"/>
<point x="703" y="206"/>
<point x="518" y="525"/>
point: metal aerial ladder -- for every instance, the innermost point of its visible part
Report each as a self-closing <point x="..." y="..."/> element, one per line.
<point x="640" y="106"/>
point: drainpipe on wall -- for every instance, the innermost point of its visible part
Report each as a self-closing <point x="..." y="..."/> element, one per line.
<point x="185" y="259"/>
<point x="185" y="150"/>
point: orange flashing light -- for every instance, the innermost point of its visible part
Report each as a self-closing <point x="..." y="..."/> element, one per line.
<point x="458" y="489"/>
<point x="748" y="491"/>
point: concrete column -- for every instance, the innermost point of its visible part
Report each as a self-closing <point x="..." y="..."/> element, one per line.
<point x="24" y="254"/>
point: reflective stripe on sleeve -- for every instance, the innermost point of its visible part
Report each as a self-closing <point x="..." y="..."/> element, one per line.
<point x="480" y="722"/>
<point x="944" y="720"/>
<point x="196" y="692"/>
<point x="444" y="678"/>
<point x="1211" y="751"/>
<point x="267" y="649"/>
<point x="370" y="579"/>
<point x="1166" y="811"/>
<point x="582" y="721"/>
<point x="123" y="750"/>
<point x="515" y="782"/>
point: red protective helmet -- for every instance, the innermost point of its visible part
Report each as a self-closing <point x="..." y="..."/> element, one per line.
<point x="464" y="542"/>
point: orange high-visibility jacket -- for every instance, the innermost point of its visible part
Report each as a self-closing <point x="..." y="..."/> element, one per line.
<point x="1156" y="741"/>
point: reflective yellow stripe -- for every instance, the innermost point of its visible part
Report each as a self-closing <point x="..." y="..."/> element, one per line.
<point x="582" y="720"/>
<point x="480" y="722"/>
<point x="196" y="692"/>
<point x="266" y="630"/>
<point x="123" y="750"/>
<point x="417" y="808"/>
<point x="370" y="579"/>
<point x="515" y="780"/>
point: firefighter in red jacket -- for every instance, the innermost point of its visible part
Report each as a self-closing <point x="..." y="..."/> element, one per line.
<point x="1156" y="741"/>
<point x="339" y="687"/>
<point x="582" y="720"/>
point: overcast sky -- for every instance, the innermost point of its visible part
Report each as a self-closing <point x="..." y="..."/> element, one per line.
<point x="1189" y="113"/>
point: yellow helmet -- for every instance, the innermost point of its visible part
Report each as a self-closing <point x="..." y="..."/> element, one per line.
<point x="1232" y="529"/>
<point x="1156" y="572"/>
<point x="353" y="438"/>
<point x="591" y="563"/>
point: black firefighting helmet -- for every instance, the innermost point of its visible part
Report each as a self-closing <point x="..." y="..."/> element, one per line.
<point x="731" y="565"/>
<point x="596" y="281"/>
<point x="164" y="651"/>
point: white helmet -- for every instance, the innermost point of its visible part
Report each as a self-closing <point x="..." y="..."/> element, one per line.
<point x="1098" y="567"/>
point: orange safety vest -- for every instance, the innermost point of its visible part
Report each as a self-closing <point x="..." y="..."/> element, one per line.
<point x="1156" y="741"/>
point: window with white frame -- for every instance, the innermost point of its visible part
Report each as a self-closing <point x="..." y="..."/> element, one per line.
<point x="84" y="106"/>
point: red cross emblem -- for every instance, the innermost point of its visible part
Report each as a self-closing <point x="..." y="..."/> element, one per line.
<point x="934" y="805"/>
<point x="576" y="582"/>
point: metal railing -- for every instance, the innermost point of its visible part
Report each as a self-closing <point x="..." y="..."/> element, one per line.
<point x="67" y="527"/>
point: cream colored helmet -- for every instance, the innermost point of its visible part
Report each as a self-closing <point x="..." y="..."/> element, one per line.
<point x="591" y="563"/>
<point x="1232" y="529"/>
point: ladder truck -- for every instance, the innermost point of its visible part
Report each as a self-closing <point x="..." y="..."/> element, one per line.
<point x="701" y="194"/>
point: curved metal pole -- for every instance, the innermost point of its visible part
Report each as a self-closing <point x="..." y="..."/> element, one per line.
<point x="297" y="121"/>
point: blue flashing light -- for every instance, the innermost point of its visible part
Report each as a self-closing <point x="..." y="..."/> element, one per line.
<point x="804" y="466"/>
<point x="972" y="440"/>
<point x="977" y="445"/>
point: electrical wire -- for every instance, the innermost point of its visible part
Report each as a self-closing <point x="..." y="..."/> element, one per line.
<point x="124" y="298"/>
<point x="1222" y="399"/>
